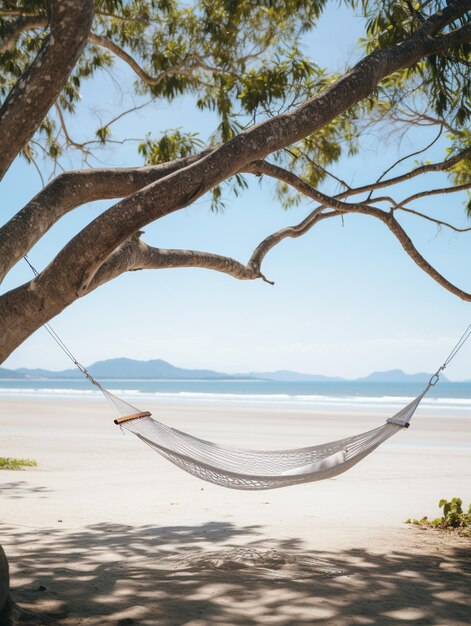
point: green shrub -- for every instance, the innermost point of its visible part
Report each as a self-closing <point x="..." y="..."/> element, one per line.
<point x="453" y="518"/>
<point x="9" y="463"/>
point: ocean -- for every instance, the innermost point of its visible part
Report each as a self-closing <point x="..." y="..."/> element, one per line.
<point x="445" y="397"/>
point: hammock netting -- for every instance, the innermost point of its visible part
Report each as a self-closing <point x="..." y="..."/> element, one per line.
<point x="247" y="469"/>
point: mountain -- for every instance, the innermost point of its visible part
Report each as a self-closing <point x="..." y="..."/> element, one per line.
<point x="9" y="374"/>
<point x="158" y="369"/>
<point x="129" y="369"/>
<point x="290" y="376"/>
<point x="398" y="376"/>
<point x="390" y="376"/>
<point x="24" y="372"/>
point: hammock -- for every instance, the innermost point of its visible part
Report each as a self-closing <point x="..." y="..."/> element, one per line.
<point x="240" y="468"/>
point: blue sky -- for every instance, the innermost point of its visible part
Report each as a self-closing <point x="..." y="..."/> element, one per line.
<point x="347" y="300"/>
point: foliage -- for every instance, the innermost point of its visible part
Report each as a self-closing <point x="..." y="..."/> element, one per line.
<point x="173" y="144"/>
<point x="453" y="518"/>
<point x="443" y="79"/>
<point x="232" y="55"/>
<point x="460" y="173"/>
<point x="9" y="463"/>
<point x="243" y="61"/>
<point x="311" y="157"/>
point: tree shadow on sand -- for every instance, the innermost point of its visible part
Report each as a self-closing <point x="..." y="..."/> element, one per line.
<point x="19" y="489"/>
<point x="218" y="574"/>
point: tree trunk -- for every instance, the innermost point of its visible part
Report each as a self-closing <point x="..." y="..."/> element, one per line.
<point x="4" y="587"/>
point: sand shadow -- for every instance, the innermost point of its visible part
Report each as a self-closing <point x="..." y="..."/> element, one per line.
<point x="22" y="489"/>
<point x="115" y="574"/>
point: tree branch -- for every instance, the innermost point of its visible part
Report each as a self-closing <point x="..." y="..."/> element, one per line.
<point x="420" y="261"/>
<point x="441" y="166"/>
<point x="407" y="156"/>
<point x="180" y="68"/>
<point x="453" y="39"/>
<point x="69" y="191"/>
<point x="437" y="21"/>
<point x="433" y="219"/>
<point x="16" y="28"/>
<point x="33" y="95"/>
<point x="135" y="254"/>
<point x="334" y="202"/>
<point x="364" y="209"/>
<point x="434" y="192"/>
<point x="68" y="139"/>
<point x="316" y="216"/>
<point x="410" y="116"/>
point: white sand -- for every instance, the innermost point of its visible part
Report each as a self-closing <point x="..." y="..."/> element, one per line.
<point x="100" y="522"/>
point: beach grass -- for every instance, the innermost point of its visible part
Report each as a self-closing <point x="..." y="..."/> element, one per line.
<point x="10" y="463"/>
<point x="453" y="518"/>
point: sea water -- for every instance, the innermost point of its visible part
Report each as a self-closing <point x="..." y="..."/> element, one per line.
<point x="445" y="397"/>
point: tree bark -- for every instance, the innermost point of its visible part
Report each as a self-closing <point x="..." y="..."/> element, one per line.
<point x="4" y="585"/>
<point x="33" y="95"/>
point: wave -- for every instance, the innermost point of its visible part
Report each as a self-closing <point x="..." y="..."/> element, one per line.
<point x="281" y="400"/>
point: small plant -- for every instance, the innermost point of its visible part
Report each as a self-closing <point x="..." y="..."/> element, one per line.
<point x="453" y="518"/>
<point x="9" y="463"/>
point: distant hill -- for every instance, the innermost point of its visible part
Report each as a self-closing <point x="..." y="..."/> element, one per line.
<point x="290" y="376"/>
<point x="390" y="376"/>
<point x="10" y="374"/>
<point x="398" y="376"/>
<point x="158" y="369"/>
<point x="130" y="369"/>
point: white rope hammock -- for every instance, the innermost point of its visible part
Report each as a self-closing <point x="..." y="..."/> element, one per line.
<point x="240" y="468"/>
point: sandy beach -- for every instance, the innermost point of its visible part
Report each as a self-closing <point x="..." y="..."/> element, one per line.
<point x="105" y="531"/>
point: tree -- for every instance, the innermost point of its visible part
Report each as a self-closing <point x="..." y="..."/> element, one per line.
<point x="278" y="115"/>
<point x="243" y="63"/>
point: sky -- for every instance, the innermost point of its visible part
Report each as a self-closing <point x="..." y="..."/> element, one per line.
<point x="347" y="300"/>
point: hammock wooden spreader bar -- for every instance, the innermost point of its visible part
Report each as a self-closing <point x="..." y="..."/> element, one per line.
<point x="133" y="416"/>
